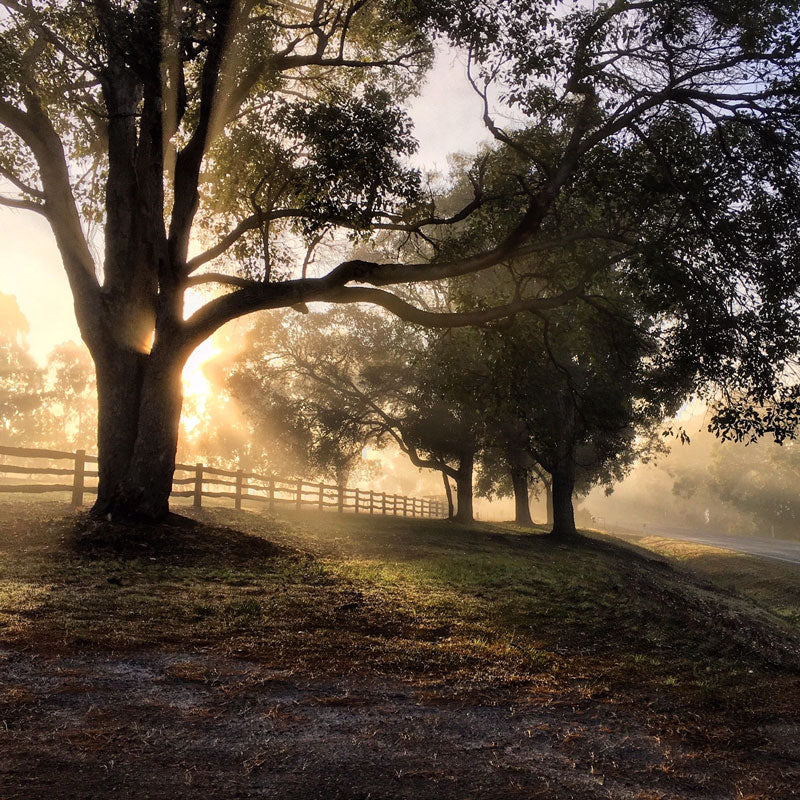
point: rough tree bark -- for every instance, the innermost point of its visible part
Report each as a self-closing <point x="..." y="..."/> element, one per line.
<point x="522" y="507"/>
<point x="139" y="406"/>
<point x="563" y="487"/>
<point x="464" y="511"/>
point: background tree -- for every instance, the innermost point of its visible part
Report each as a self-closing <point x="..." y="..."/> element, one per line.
<point x="21" y="380"/>
<point x="744" y="488"/>
<point x="586" y="392"/>
<point x="301" y="376"/>
<point x="359" y="377"/>
<point x="441" y="422"/>
<point x="71" y="398"/>
<point x="248" y="125"/>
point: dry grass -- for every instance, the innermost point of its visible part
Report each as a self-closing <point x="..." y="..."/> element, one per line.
<point x="768" y="583"/>
<point x="414" y="599"/>
<point x="697" y="652"/>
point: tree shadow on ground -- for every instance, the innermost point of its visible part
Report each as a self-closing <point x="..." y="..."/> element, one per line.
<point x="177" y="541"/>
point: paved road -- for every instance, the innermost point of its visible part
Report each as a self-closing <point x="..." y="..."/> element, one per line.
<point x="777" y="549"/>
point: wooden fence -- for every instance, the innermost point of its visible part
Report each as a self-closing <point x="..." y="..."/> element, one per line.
<point x="236" y="485"/>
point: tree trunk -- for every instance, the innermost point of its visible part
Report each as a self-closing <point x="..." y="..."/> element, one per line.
<point x="139" y="406"/>
<point x="548" y="489"/>
<point x="563" y="486"/>
<point x="119" y="382"/>
<point x="522" y="507"/>
<point x="464" y="489"/>
<point x="449" y="494"/>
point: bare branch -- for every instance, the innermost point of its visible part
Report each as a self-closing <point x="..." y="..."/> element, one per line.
<point x="24" y="205"/>
<point x="21" y="185"/>
<point x="255" y="220"/>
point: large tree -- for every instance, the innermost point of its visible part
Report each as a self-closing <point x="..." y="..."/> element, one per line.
<point x="245" y="127"/>
<point x="353" y="377"/>
<point x="587" y="394"/>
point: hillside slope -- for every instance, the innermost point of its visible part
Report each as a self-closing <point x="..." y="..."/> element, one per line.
<point x="410" y="658"/>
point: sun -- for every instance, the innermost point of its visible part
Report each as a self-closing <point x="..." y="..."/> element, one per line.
<point x="195" y="383"/>
<point x="202" y="396"/>
<point x="196" y="386"/>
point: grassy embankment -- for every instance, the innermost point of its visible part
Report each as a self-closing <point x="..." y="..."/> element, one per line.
<point x="419" y="600"/>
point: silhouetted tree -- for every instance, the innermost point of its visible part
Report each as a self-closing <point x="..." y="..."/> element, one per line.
<point x="71" y="398"/>
<point x="247" y="126"/>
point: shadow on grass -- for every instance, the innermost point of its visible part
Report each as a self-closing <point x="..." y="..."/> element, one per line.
<point x="378" y="595"/>
<point x="178" y="541"/>
<point x="769" y="584"/>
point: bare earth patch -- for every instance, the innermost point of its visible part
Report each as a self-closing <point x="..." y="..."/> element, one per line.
<point x="180" y="725"/>
<point x="313" y="656"/>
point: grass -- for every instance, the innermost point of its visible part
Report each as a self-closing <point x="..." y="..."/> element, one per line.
<point x="412" y="599"/>
<point x="670" y="668"/>
<point x="767" y="583"/>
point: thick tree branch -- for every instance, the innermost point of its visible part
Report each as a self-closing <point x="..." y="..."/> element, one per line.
<point x="35" y="129"/>
<point x="190" y="158"/>
<point x="20" y="184"/>
<point x="455" y="319"/>
<point x="396" y="224"/>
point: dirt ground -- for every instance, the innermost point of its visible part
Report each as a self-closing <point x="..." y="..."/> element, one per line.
<point x="182" y="725"/>
<point x="175" y="717"/>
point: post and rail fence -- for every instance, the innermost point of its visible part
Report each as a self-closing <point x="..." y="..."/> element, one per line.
<point x="237" y="485"/>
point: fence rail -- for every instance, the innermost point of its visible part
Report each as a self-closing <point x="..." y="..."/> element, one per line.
<point x="236" y="485"/>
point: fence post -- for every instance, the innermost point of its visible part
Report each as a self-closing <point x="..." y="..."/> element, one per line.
<point x="340" y="498"/>
<point x="383" y="503"/>
<point x="357" y="498"/>
<point x="198" y="485"/>
<point x="239" y="483"/>
<point x="272" y="494"/>
<point x="77" y="481"/>
<point x="405" y="506"/>
<point x="321" y="501"/>
<point x="299" y="494"/>
<point x="371" y="502"/>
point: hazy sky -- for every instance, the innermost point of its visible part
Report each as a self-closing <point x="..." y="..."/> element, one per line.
<point x="448" y="119"/>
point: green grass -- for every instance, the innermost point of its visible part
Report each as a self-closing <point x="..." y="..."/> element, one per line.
<point x="420" y="600"/>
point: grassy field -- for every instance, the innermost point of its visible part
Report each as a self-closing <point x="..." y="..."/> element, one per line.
<point x="704" y="642"/>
